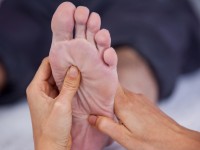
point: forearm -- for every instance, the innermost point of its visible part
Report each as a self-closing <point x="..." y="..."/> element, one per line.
<point x="191" y="139"/>
<point x="143" y="126"/>
<point x="183" y="140"/>
<point x="159" y="130"/>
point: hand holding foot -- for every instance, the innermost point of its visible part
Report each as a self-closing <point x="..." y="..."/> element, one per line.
<point x="51" y="113"/>
<point x="143" y="126"/>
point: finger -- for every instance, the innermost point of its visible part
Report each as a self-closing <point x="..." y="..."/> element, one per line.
<point x="70" y="85"/>
<point x="44" y="71"/>
<point x="106" y="125"/>
<point x="120" y="102"/>
<point x="43" y="74"/>
<point x="124" y="104"/>
<point x="129" y="108"/>
<point x="69" y="143"/>
<point x="120" y="95"/>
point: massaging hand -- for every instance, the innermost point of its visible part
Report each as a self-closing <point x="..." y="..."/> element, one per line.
<point x="51" y="112"/>
<point x="143" y="126"/>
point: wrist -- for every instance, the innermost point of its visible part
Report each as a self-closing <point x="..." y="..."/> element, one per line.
<point x="177" y="138"/>
<point x="191" y="139"/>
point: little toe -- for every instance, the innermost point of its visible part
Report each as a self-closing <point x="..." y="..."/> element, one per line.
<point x="93" y="26"/>
<point x="63" y="22"/>
<point x="103" y="40"/>
<point x="110" y="57"/>
<point x="81" y="18"/>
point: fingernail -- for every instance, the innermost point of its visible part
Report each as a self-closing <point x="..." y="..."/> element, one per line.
<point x="92" y="120"/>
<point x="73" y="72"/>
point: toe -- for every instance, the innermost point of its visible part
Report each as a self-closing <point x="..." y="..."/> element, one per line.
<point x="81" y="18"/>
<point x="63" y="22"/>
<point x="110" y="57"/>
<point x="103" y="40"/>
<point x="93" y="26"/>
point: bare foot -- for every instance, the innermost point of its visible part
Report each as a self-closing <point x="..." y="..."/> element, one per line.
<point x="89" y="49"/>
<point x="135" y="74"/>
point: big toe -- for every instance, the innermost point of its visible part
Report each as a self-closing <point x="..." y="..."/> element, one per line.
<point x="63" y="22"/>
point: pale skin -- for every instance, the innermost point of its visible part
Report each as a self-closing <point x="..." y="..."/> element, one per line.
<point x="89" y="49"/>
<point x="142" y="125"/>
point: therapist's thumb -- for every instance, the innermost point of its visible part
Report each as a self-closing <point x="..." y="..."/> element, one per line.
<point x="109" y="127"/>
<point x="70" y="84"/>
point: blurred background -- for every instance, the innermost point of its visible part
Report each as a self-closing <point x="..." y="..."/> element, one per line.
<point x="25" y="39"/>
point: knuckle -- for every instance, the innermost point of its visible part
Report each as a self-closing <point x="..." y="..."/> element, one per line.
<point x="101" y="123"/>
<point x="58" y="106"/>
<point x="61" y="108"/>
<point x="30" y="90"/>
